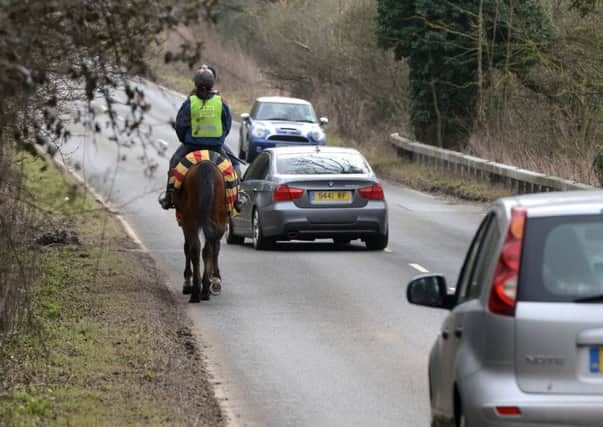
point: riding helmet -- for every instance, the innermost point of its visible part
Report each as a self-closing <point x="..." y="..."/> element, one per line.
<point x="204" y="78"/>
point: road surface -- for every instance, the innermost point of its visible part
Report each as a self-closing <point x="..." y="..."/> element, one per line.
<point x="307" y="334"/>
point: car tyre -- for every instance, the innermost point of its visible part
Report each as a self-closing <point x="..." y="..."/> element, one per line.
<point x="260" y="242"/>
<point x="377" y="243"/>
<point x="242" y="154"/>
<point x="231" y="238"/>
<point x="249" y="156"/>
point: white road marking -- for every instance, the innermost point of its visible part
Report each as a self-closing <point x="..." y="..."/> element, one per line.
<point x="419" y="268"/>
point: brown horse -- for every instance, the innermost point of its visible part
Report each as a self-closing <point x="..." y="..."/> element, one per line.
<point x="201" y="202"/>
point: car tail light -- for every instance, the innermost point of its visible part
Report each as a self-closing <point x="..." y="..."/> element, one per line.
<point x="284" y="193"/>
<point x="373" y="192"/>
<point x="508" y="410"/>
<point x="503" y="295"/>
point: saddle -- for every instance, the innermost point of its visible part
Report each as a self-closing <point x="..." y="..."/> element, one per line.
<point x="231" y="180"/>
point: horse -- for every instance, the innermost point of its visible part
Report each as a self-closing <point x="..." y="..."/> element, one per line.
<point x="201" y="202"/>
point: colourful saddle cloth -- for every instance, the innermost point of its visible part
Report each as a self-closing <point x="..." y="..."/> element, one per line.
<point x="231" y="180"/>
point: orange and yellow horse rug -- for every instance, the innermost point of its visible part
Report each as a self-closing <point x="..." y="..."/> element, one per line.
<point x="231" y="180"/>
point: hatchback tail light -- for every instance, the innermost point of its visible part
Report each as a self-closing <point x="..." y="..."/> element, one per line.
<point x="503" y="295"/>
<point x="373" y="192"/>
<point x="284" y="193"/>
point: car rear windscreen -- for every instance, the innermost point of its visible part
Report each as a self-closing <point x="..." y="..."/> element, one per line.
<point x="319" y="163"/>
<point x="562" y="259"/>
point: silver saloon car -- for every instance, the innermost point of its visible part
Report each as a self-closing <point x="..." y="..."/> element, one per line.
<point x="523" y="343"/>
<point x="307" y="193"/>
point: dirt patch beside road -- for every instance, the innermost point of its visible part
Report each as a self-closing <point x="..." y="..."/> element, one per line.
<point x="105" y="342"/>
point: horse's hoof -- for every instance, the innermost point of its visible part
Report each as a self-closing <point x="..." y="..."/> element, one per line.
<point x="194" y="299"/>
<point x="215" y="286"/>
<point x="187" y="289"/>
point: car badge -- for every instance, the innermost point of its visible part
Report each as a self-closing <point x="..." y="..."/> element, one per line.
<point x="331" y="183"/>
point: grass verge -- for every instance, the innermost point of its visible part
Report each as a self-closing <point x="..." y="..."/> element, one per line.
<point x="105" y="343"/>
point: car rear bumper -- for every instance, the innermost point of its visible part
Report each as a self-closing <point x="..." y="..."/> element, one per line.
<point x="288" y="222"/>
<point x="484" y="391"/>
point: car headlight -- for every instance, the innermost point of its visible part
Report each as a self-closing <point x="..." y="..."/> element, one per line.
<point x="317" y="135"/>
<point x="259" y="132"/>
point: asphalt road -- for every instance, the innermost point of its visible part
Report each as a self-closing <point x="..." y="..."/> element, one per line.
<point x="304" y="335"/>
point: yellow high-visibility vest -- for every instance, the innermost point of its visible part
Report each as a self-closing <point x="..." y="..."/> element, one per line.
<point x="206" y="117"/>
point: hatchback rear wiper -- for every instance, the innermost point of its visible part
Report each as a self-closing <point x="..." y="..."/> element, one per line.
<point x="593" y="298"/>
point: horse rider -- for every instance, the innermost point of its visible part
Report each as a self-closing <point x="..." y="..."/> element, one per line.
<point x="236" y="162"/>
<point x="202" y="123"/>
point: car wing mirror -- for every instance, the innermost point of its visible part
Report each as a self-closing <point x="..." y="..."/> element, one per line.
<point x="429" y="290"/>
<point x="323" y="121"/>
<point x="244" y="116"/>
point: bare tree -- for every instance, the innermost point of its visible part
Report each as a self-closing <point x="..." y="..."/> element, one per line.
<point x="58" y="51"/>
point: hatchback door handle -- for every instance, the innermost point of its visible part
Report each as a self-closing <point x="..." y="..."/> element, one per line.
<point x="458" y="332"/>
<point x="445" y="334"/>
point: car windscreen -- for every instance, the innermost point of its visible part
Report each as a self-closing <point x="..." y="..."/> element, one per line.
<point x="562" y="259"/>
<point x="318" y="163"/>
<point x="286" y="112"/>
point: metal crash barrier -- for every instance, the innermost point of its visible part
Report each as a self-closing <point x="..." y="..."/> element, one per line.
<point x="462" y="165"/>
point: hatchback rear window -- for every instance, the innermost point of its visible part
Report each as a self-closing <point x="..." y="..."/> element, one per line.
<point x="562" y="259"/>
<point x="319" y="163"/>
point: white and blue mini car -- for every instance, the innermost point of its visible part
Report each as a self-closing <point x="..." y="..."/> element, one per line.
<point x="279" y="121"/>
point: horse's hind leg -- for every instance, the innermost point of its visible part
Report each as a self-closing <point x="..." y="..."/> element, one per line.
<point x="187" y="286"/>
<point x="207" y="253"/>
<point x="195" y="246"/>
<point x="216" y="279"/>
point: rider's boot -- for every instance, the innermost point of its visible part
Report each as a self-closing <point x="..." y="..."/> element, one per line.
<point x="165" y="199"/>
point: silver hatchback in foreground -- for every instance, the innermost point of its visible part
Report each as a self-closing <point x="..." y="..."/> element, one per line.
<point x="307" y="193"/>
<point x="523" y="343"/>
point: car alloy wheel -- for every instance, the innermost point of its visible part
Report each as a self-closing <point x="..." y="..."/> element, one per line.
<point x="259" y="240"/>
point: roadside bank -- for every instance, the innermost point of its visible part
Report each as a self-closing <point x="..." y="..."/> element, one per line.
<point x="105" y="342"/>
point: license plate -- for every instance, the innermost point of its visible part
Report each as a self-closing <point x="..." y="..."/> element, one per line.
<point x="332" y="196"/>
<point x="596" y="358"/>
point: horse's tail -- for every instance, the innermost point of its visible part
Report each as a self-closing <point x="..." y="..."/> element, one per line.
<point x="206" y="180"/>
